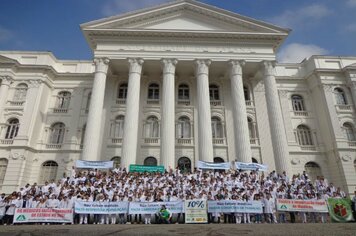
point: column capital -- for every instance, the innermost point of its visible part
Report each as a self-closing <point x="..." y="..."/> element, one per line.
<point x="169" y="65"/>
<point x="35" y="83"/>
<point x="268" y="67"/>
<point x="101" y="64"/>
<point x="135" y="65"/>
<point x="6" y="80"/>
<point x="202" y="66"/>
<point x="236" y="67"/>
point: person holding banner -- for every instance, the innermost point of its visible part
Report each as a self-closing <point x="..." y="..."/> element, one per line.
<point x="270" y="209"/>
<point x="164" y="215"/>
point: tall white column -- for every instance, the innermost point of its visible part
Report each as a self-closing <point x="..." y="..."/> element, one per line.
<point x="278" y="134"/>
<point x="242" y="137"/>
<point x="204" y="114"/>
<point x="129" y="145"/>
<point x="4" y="89"/>
<point x="91" y="148"/>
<point x="351" y="80"/>
<point x="168" y="114"/>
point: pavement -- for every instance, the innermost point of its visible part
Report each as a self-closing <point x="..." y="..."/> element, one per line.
<point x="182" y="229"/>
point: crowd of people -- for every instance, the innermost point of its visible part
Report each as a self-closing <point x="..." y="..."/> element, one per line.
<point x="174" y="185"/>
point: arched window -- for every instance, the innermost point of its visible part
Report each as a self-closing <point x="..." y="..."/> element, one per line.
<point x="183" y="92"/>
<point x="153" y="92"/>
<point x="88" y="102"/>
<point x="183" y="127"/>
<point x="57" y="131"/>
<point x="12" y="128"/>
<point x="184" y="164"/>
<point x="48" y="171"/>
<point x="298" y="103"/>
<point x="254" y="160"/>
<point x="313" y="170"/>
<point x="247" y="94"/>
<point x="150" y="161"/>
<point x="117" y="130"/>
<point x="214" y="92"/>
<point x="117" y="161"/>
<point x="63" y="100"/>
<point x="122" y="91"/>
<point x="152" y="127"/>
<point x="20" y="92"/>
<point x="217" y="127"/>
<point x="218" y="160"/>
<point x="349" y="132"/>
<point x="340" y="96"/>
<point x="3" y="167"/>
<point x="304" y="136"/>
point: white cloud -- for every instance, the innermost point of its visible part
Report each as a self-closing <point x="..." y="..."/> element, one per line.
<point x="295" y="52"/>
<point x="302" y="16"/>
<point x="5" y="34"/>
<point x="351" y="3"/>
<point x="115" y="7"/>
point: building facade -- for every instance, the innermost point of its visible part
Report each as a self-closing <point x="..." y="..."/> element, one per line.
<point x="171" y="85"/>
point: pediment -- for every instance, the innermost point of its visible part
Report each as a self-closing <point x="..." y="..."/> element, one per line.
<point x="185" y="15"/>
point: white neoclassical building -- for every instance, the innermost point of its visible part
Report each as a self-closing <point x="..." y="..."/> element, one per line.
<point x="171" y="85"/>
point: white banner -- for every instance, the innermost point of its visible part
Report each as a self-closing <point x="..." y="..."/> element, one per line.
<point x="94" y="164"/>
<point x="43" y="215"/>
<point x="235" y="206"/>
<point x="214" y="166"/>
<point x="302" y="205"/>
<point x="100" y="207"/>
<point x="250" y="166"/>
<point x="154" y="207"/>
<point x="195" y="211"/>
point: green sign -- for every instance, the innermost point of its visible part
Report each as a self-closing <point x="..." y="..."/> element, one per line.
<point x="141" y="169"/>
<point x="21" y="218"/>
<point x="340" y="210"/>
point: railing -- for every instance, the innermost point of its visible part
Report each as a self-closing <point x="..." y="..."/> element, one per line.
<point x="301" y="113"/>
<point x="184" y="102"/>
<point x="121" y="101"/>
<point x="151" y="140"/>
<point x="7" y="141"/>
<point x="116" y="140"/>
<point x="308" y="148"/>
<point x="249" y="103"/>
<point x="184" y="141"/>
<point x="218" y="140"/>
<point x="53" y="146"/>
<point x="254" y="141"/>
<point x="344" y="107"/>
<point x="215" y="103"/>
<point x="352" y="143"/>
<point x="152" y="101"/>
<point x="16" y="103"/>
<point x="60" y="110"/>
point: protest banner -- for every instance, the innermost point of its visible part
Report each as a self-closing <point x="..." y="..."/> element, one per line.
<point x="214" y="166"/>
<point x="302" y="205"/>
<point x="196" y="211"/>
<point x="340" y="210"/>
<point x="43" y="215"/>
<point x="250" y="166"/>
<point x="154" y="207"/>
<point x="82" y="207"/>
<point x="94" y="164"/>
<point x="252" y="207"/>
<point x="150" y="169"/>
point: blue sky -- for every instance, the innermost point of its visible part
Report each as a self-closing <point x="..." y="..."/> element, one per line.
<point x="321" y="27"/>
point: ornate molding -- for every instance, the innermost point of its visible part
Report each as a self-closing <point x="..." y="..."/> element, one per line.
<point x="202" y="66"/>
<point x="6" y="80"/>
<point x="17" y="156"/>
<point x="295" y="161"/>
<point x="283" y="93"/>
<point x="101" y="64"/>
<point x="169" y="65"/>
<point x="346" y="158"/>
<point x="34" y="83"/>
<point x="135" y="65"/>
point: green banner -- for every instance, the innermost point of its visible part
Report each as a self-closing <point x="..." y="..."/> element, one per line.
<point x="340" y="210"/>
<point x="141" y="169"/>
